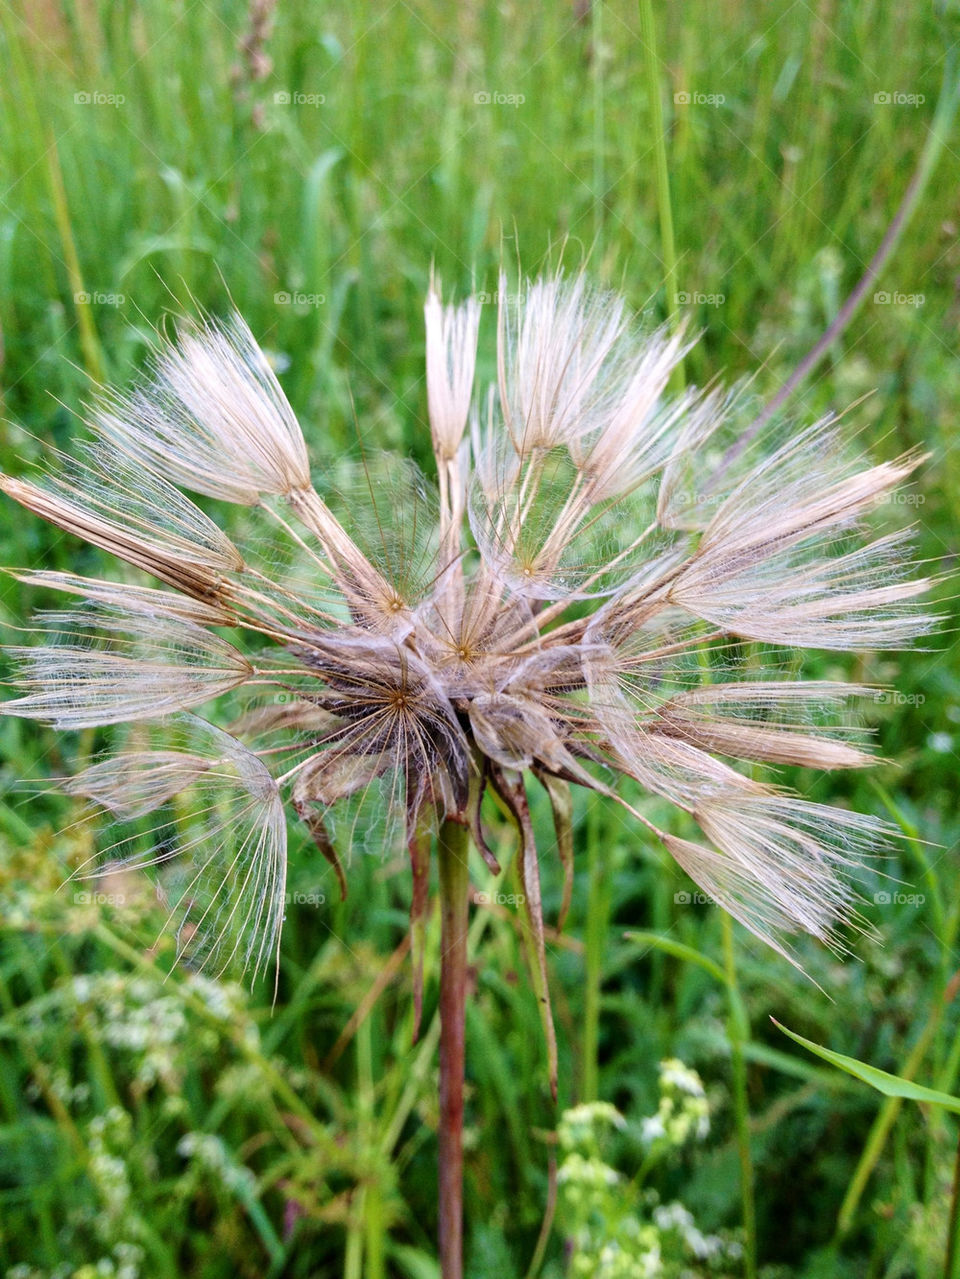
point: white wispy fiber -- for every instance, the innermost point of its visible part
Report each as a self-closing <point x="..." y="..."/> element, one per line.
<point x="212" y="417"/>
<point x="112" y="664"/>
<point x="223" y="875"/>
<point x="130" y="511"/>
<point x="140" y="599"/>
<point x="452" y="333"/>
<point x="546" y="614"/>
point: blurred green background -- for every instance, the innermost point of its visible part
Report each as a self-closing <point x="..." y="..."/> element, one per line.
<point x="313" y="162"/>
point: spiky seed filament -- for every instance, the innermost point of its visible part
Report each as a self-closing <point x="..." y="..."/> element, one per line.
<point x="544" y="612"/>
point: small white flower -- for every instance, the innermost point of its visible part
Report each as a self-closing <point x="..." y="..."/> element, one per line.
<point x="652" y="1129"/>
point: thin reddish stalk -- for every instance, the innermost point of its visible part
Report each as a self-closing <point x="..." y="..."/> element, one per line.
<point x="454" y="898"/>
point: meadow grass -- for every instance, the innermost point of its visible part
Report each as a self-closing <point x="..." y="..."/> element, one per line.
<point x="143" y="170"/>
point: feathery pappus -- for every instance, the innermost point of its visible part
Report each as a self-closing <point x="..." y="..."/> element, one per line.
<point x="545" y="611"/>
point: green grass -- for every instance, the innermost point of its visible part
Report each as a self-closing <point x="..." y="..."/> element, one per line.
<point x="200" y="187"/>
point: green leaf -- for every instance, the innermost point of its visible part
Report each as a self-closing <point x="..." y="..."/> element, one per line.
<point x="414" y="1263"/>
<point x="679" y="950"/>
<point x="889" y="1085"/>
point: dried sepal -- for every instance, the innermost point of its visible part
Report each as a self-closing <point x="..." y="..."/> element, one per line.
<point x="419" y="837"/>
<point x="561" y="804"/>
<point x="514" y="795"/>
<point x="317" y="828"/>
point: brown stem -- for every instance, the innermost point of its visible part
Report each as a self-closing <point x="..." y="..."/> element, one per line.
<point x="454" y="899"/>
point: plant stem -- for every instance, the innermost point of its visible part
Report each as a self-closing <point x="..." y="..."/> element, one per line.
<point x="597" y="923"/>
<point x="737" y="1032"/>
<point x="596" y="41"/>
<point x="648" y="34"/>
<point x="454" y="889"/>
<point x="373" y="1232"/>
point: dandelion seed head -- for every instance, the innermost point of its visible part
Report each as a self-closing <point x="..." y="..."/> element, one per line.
<point x="548" y="608"/>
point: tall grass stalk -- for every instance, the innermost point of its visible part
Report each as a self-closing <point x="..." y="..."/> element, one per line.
<point x="738" y="1032"/>
<point x="89" y="342"/>
<point x="668" y="253"/>
<point x="374" y="1238"/>
<point x="596" y="927"/>
<point x="596" y="42"/>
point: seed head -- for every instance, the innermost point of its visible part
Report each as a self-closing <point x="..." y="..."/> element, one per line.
<point x="592" y="550"/>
